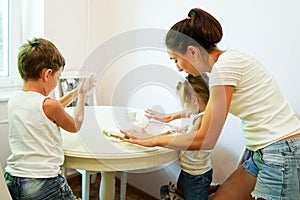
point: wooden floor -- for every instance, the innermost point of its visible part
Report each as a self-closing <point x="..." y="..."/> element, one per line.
<point x="132" y="193"/>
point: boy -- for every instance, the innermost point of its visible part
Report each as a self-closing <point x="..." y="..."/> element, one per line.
<point x="33" y="168"/>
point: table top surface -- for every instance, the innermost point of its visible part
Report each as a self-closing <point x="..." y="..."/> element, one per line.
<point x="91" y="149"/>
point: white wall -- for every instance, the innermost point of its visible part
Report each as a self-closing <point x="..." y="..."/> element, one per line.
<point x="99" y="35"/>
<point x="32" y="19"/>
<point x="262" y="28"/>
<point x="4" y="148"/>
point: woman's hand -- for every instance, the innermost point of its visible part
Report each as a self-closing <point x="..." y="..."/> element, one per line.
<point x="146" y="142"/>
<point x="135" y="133"/>
<point x="140" y="138"/>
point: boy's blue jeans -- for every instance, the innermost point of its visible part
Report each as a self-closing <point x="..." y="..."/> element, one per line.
<point x="38" y="188"/>
<point x="194" y="187"/>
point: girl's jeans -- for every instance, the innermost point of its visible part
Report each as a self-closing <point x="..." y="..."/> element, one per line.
<point x="38" y="188"/>
<point x="278" y="171"/>
<point x="194" y="187"/>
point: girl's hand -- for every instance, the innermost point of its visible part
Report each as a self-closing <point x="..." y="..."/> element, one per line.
<point x="162" y="117"/>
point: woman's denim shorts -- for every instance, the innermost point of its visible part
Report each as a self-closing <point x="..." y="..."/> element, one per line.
<point x="38" y="188"/>
<point x="249" y="164"/>
<point x="278" y="171"/>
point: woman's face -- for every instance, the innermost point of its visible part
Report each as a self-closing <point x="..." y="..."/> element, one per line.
<point x="183" y="63"/>
<point x="190" y="62"/>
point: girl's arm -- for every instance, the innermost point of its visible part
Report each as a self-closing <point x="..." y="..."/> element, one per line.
<point x="211" y="125"/>
<point x="164" y="117"/>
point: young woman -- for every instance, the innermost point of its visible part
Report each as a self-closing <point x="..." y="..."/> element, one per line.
<point x="239" y="84"/>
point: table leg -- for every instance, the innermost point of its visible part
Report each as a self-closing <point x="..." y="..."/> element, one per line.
<point x="85" y="193"/>
<point x="123" y="185"/>
<point x="107" y="186"/>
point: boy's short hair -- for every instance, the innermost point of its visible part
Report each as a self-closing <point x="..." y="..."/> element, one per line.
<point x="36" y="55"/>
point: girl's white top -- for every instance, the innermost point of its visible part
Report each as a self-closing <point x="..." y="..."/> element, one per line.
<point x="35" y="141"/>
<point x="257" y="100"/>
<point x="195" y="162"/>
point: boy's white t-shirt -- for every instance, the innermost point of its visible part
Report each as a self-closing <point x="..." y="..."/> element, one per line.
<point x="266" y="115"/>
<point x="35" y="141"/>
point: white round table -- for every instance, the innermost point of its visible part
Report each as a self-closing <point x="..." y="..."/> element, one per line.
<point x="90" y="150"/>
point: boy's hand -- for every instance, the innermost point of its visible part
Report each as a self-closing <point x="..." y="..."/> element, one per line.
<point x="86" y="85"/>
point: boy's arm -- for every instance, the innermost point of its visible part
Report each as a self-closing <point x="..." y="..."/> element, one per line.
<point x="69" y="98"/>
<point x="56" y="113"/>
<point x="54" y="110"/>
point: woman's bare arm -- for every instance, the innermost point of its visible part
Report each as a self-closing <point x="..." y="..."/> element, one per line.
<point x="208" y="134"/>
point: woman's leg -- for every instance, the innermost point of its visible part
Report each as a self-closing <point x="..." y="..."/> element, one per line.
<point x="237" y="187"/>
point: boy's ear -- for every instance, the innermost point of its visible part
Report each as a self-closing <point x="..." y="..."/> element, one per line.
<point x="46" y="73"/>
